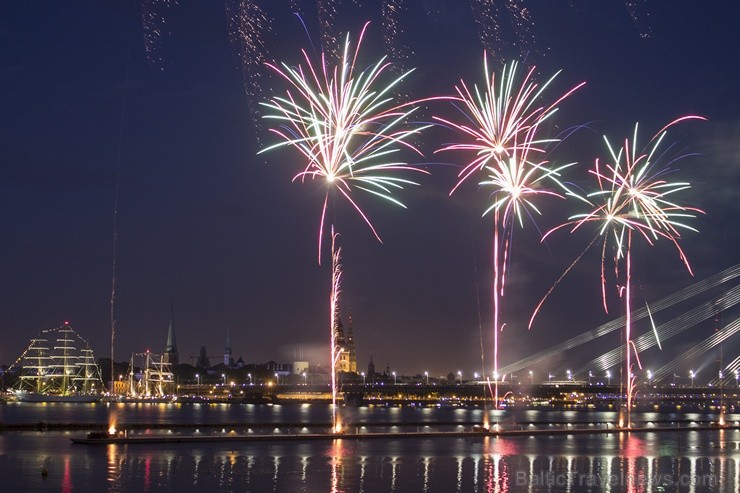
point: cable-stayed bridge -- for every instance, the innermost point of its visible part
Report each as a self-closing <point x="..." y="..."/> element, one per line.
<point x="724" y="288"/>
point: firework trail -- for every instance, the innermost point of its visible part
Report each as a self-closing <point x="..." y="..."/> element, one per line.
<point x="501" y="127"/>
<point x="336" y="351"/>
<point x="521" y="22"/>
<point x="248" y="26"/>
<point x="397" y="49"/>
<point x="634" y="199"/>
<point x="327" y="10"/>
<point x="295" y="6"/>
<point x="116" y="192"/>
<point x="155" y="23"/>
<point x="504" y="25"/>
<point x="491" y="16"/>
<point x="349" y="130"/>
<point x="114" y="281"/>
<point x="639" y="11"/>
<point x="487" y="14"/>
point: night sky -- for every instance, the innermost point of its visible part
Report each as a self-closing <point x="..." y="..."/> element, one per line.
<point x="222" y="233"/>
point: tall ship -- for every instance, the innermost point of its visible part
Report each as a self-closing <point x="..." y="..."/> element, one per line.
<point x="150" y="377"/>
<point x="58" y="366"/>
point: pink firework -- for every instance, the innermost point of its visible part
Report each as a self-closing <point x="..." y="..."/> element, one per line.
<point x="350" y="132"/>
<point x="634" y="198"/>
<point x="502" y="118"/>
<point x="502" y="126"/>
<point x="347" y="127"/>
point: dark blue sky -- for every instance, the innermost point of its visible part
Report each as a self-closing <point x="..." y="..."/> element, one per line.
<point x="224" y="234"/>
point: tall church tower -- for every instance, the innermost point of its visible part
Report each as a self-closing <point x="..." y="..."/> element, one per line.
<point x="228" y="358"/>
<point x="170" y="352"/>
<point x="350" y="346"/>
<point x="347" y="361"/>
<point x="343" y="360"/>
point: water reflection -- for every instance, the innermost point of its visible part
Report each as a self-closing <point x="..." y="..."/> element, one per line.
<point x="67" y="480"/>
<point x="652" y="462"/>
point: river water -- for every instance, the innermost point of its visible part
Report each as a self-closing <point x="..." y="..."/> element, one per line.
<point x="691" y="461"/>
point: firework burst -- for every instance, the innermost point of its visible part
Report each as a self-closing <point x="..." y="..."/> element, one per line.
<point x="502" y="119"/>
<point x="349" y="130"/>
<point x="502" y="129"/>
<point x="634" y="198"/>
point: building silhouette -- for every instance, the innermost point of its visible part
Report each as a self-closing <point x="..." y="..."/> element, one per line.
<point x="203" y="361"/>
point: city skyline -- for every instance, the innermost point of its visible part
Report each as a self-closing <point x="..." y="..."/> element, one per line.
<point x="221" y="233"/>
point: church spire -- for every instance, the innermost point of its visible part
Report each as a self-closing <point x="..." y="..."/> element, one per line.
<point x="228" y="358"/>
<point x="171" y="348"/>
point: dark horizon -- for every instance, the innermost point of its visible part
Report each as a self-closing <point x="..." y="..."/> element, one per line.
<point x="208" y="225"/>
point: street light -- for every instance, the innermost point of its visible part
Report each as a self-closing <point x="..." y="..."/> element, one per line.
<point x="197" y="376"/>
<point x="737" y="379"/>
<point x="305" y="378"/>
<point x="395" y="381"/>
<point x="426" y="374"/>
<point x="277" y="378"/>
<point x="531" y="376"/>
<point x="650" y="376"/>
<point x="570" y="375"/>
<point x="363" y="377"/>
<point x="692" y="375"/>
<point x="608" y="377"/>
<point x="251" y="382"/>
<point x="459" y="376"/>
<point x="223" y="375"/>
<point x="590" y="376"/>
<point x="549" y="376"/>
<point x="475" y="375"/>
